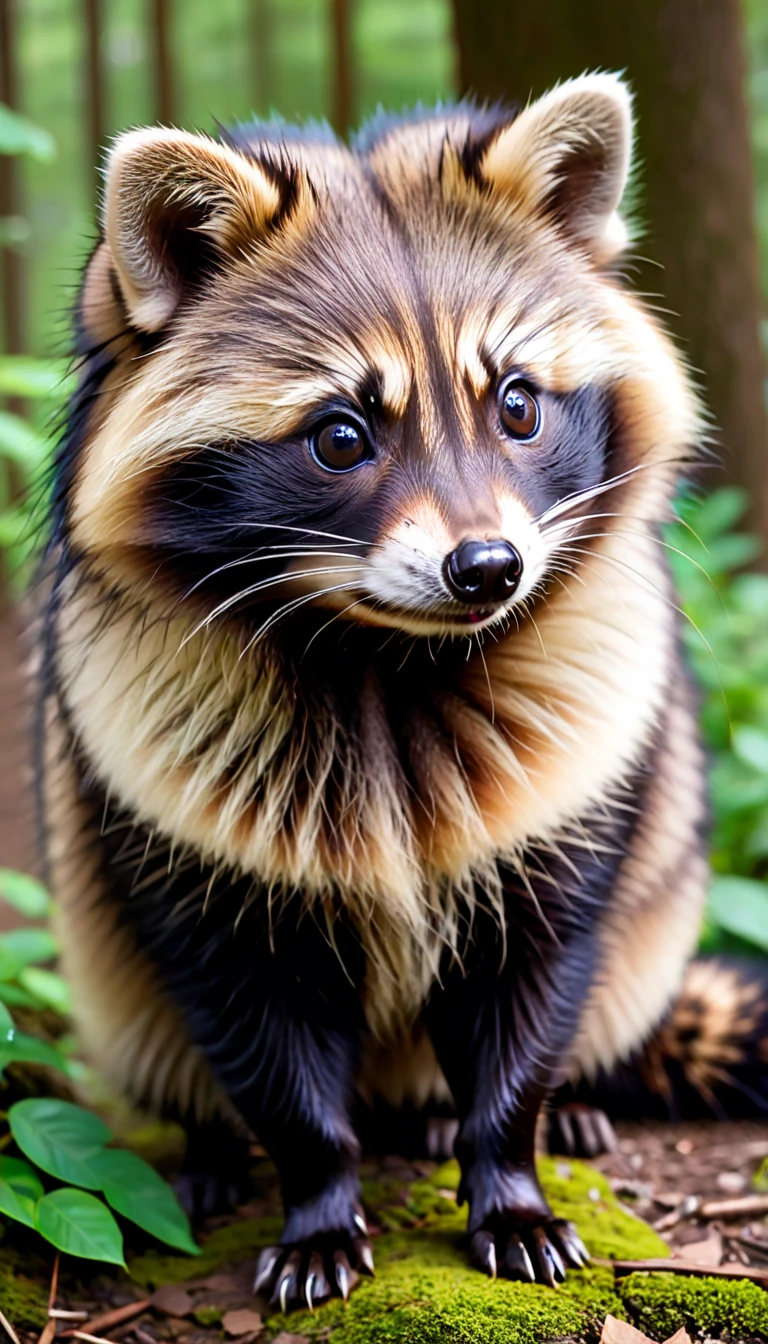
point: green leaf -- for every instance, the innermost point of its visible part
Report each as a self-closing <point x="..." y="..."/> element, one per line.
<point x="740" y="905"/>
<point x="24" y="893"/>
<point x="136" y="1191"/>
<point x="7" y="1028"/>
<point x="717" y="513"/>
<point x="17" y="997"/>
<point x="20" y="1189"/>
<point x="19" y="135"/>
<point x="48" y="987"/>
<point x="24" y="1049"/>
<point x="22" y="376"/>
<point x="19" y="441"/>
<point x="80" y="1225"/>
<point x="60" y="1138"/>
<point x="24" y="947"/>
<point x="751" y="746"/>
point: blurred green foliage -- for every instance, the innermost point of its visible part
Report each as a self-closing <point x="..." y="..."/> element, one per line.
<point x="726" y="639"/>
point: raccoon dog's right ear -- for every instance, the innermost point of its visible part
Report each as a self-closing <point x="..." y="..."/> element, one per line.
<point x="174" y="205"/>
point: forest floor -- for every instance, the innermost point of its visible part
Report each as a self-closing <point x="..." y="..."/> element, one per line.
<point x="693" y="1184"/>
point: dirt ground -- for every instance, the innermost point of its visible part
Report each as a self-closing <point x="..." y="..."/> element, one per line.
<point x="694" y="1183"/>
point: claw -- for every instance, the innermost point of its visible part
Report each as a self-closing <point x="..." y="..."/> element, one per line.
<point x="546" y="1258"/>
<point x="283" y="1293"/>
<point x="342" y="1275"/>
<point x="571" y="1245"/>
<point x="361" y="1224"/>
<point x="267" y="1261"/>
<point x="606" y="1132"/>
<point x="483" y="1250"/>
<point x="364" y="1253"/>
<point x="309" y="1285"/>
<point x="517" y="1261"/>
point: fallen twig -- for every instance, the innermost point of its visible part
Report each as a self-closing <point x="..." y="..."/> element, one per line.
<point x="740" y="1206"/>
<point x="48" y="1331"/>
<point x="670" y="1266"/>
<point x="115" y="1317"/>
<point x="8" y="1328"/>
<point x="58" y="1314"/>
<point x="91" y="1339"/>
<point x="54" y="1282"/>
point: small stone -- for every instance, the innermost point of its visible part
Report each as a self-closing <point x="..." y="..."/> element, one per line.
<point x="285" y="1338"/>
<point x="241" y="1322"/>
<point x="732" y="1182"/>
<point x="172" y="1300"/>
<point x="684" y="1146"/>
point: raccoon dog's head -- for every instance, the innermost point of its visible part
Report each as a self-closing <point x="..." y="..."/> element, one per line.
<point x="374" y="380"/>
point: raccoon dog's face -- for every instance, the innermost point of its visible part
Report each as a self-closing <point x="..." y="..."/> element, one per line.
<point x="364" y="380"/>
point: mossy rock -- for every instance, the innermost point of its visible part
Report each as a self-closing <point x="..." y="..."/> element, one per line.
<point x="425" y="1293"/>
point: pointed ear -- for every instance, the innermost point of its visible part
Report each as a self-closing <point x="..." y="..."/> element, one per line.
<point x="567" y="157"/>
<point x="174" y="205"/>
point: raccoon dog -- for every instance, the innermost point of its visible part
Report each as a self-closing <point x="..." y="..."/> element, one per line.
<point x="370" y="761"/>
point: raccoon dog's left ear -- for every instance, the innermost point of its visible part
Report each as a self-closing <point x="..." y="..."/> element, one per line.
<point x="567" y="157"/>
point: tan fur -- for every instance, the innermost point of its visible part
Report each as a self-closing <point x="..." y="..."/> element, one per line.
<point x="184" y="718"/>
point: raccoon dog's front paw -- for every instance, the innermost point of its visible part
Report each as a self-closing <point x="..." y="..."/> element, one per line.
<point x="537" y="1252"/>
<point x="306" y="1273"/>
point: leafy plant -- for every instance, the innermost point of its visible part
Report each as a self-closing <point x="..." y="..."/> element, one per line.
<point x="727" y="647"/>
<point x="57" y="1139"/>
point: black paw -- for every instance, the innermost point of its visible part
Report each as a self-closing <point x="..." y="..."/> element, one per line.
<point x="202" y="1194"/>
<point x="214" y="1175"/>
<point x="581" y="1131"/>
<point x="309" y="1272"/>
<point x="533" y="1252"/>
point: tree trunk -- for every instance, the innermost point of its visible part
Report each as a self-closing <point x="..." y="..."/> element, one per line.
<point x="94" y="84"/>
<point x="685" y="61"/>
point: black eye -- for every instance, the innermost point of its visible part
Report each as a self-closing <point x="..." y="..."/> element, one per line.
<point x="340" y="446"/>
<point x="519" y="411"/>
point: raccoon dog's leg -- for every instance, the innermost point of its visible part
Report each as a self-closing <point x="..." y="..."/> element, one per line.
<point x="274" y="1003"/>
<point x="501" y="1021"/>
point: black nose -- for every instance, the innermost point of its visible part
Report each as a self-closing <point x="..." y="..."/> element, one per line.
<point x="481" y="572"/>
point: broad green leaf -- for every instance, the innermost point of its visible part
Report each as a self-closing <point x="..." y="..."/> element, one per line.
<point x="24" y="1049"/>
<point x="7" y="1028"/>
<point x="79" y="1224"/>
<point x="136" y="1191"/>
<point x="15" y="996"/>
<point x="717" y="513"/>
<point x="19" y="135"/>
<point x="20" y="442"/>
<point x="48" y="987"/>
<point x="25" y="947"/>
<point x="751" y="746"/>
<point x="60" y="1138"/>
<point x="24" y="893"/>
<point x="20" y="1189"/>
<point x="740" y="905"/>
<point x="22" y="376"/>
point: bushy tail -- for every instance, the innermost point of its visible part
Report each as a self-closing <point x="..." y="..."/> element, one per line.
<point x="707" y="1059"/>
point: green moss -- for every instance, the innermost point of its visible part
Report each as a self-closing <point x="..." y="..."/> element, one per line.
<point x="425" y="1293"/>
<point x="208" y="1315"/>
<point x="721" y="1308"/>
<point x="227" y="1245"/>
<point x="24" y="1303"/>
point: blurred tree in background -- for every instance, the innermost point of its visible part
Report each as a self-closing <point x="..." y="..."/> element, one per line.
<point x="686" y="63"/>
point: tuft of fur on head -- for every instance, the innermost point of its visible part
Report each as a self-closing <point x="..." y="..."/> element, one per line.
<point x="260" y="654"/>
